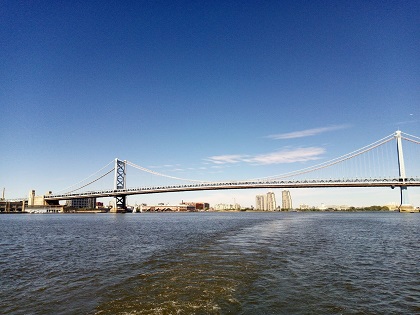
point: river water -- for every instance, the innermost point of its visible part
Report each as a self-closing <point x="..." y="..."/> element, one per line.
<point x="210" y="263"/>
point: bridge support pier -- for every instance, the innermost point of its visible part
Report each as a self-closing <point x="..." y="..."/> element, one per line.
<point x="119" y="183"/>
<point x="404" y="202"/>
<point x="120" y="204"/>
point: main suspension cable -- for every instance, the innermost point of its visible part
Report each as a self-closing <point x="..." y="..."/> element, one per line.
<point x="333" y="161"/>
<point x="163" y="175"/>
<point x="91" y="181"/>
<point x="65" y="189"/>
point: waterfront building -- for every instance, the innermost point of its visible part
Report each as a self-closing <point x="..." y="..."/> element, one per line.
<point x="12" y="206"/>
<point x="86" y="203"/>
<point x="266" y="202"/>
<point x="286" y="200"/>
<point x="260" y="202"/>
<point x="271" y="202"/>
<point x="224" y="206"/>
<point x="34" y="200"/>
<point x="393" y="206"/>
<point x="38" y="204"/>
<point x="167" y="208"/>
<point x="323" y="207"/>
<point x="200" y="206"/>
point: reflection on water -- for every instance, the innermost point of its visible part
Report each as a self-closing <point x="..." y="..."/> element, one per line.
<point x="210" y="263"/>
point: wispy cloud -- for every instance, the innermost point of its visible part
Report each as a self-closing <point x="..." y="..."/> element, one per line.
<point x="406" y="122"/>
<point x="306" y="133"/>
<point x="277" y="157"/>
<point x="177" y="170"/>
<point x="163" y="166"/>
<point x="223" y="159"/>
<point x="289" y="156"/>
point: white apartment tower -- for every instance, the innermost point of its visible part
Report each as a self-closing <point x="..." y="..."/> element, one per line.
<point x="286" y="200"/>
<point x="271" y="202"/>
<point x="266" y="202"/>
<point x="259" y="202"/>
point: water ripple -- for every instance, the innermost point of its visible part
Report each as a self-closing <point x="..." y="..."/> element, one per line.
<point x="199" y="263"/>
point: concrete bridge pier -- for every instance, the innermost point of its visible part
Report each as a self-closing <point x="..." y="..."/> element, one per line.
<point x="120" y="205"/>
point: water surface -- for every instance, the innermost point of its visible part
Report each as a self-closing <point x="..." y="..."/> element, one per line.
<point x="210" y="263"/>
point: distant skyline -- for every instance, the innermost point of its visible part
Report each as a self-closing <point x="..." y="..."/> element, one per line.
<point x="203" y="90"/>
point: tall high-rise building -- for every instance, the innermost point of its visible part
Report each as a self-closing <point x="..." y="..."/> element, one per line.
<point x="271" y="202"/>
<point x="259" y="202"/>
<point x="266" y="202"/>
<point x="286" y="200"/>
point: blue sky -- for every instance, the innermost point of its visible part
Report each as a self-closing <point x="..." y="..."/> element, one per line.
<point x="186" y="87"/>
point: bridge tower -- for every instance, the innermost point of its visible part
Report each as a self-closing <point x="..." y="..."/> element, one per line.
<point x="404" y="203"/>
<point x="119" y="183"/>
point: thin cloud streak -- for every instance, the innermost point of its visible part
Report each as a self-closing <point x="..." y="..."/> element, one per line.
<point x="278" y="157"/>
<point x="406" y="122"/>
<point x="223" y="159"/>
<point x="288" y="156"/>
<point x="306" y="133"/>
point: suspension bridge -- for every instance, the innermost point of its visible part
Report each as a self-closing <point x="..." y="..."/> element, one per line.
<point x="380" y="164"/>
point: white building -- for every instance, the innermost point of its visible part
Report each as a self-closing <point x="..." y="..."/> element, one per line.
<point x="286" y="200"/>
<point x="224" y="206"/>
<point x="260" y="202"/>
<point x="266" y="202"/>
<point x="271" y="202"/>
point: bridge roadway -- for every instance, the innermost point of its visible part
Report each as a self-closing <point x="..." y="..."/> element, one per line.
<point x="384" y="182"/>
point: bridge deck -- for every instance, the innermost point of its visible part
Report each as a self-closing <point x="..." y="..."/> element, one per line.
<point x="394" y="182"/>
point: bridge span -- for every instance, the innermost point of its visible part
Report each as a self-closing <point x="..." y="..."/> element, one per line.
<point x="385" y="182"/>
<point x="374" y="165"/>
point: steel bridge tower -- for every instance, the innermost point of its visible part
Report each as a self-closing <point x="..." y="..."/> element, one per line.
<point x="119" y="183"/>
<point x="404" y="203"/>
